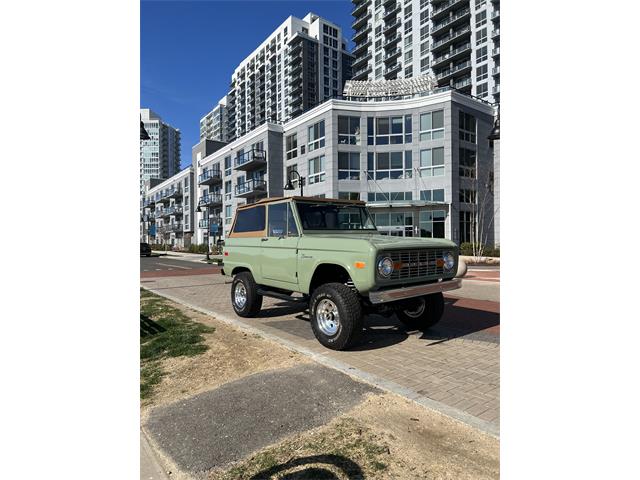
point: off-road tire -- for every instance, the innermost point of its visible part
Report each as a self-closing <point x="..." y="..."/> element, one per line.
<point x="432" y="313"/>
<point x="253" y="303"/>
<point x="350" y="315"/>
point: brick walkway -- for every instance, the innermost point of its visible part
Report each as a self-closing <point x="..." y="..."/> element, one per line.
<point x="453" y="368"/>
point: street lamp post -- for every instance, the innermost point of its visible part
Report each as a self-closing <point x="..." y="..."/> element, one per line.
<point x="208" y="229"/>
<point x="289" y="185"/>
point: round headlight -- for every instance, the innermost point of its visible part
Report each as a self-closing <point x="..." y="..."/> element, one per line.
<point x="385" y="266"/>
<point x="449" y="261"/>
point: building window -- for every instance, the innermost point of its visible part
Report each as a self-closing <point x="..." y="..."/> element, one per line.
<point x="432" y="125"/>
<point x="316" y="169"/>
<point x="432" y="223"/>
<point x="316" y="136"/>
<point x="389" y="130"/>
<point x="481" y="54"/>
<point x="432" y="162"/>
<point x="481" y="18"/>
<point x="349" y="130"/>
<point x="292" y="146"/>
<point x="482" y="72"/>
<point x="348" y="165"/>
<point x="293" y="178"/>
<point x="424" y="49"/>
<point x="227" y="190"/>
<point x="424" y="64"/>
<point x="436" y="195"/>
<point x="481" y="36"/>
<point x="349" y="195"/>
<point x="467" y="127"/>
<point x="227" y="214"/>
<point x="227" y="165"/>
<point x="408" y="56"/>
<point x="467" y="163"/>
<point x="424" y="32"/>
<point x="467" y="196"/>
<point x="465" y="227"/>
<point x="482" y="90"/>
<point x="389" y="197"/>
<point x="394" y="165"/>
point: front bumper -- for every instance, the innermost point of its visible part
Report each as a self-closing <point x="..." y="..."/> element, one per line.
<point x="385" y="296"/>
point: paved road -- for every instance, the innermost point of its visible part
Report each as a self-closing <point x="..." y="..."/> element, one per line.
<point x="166" y="266"/>
<point x="454" y="367"/>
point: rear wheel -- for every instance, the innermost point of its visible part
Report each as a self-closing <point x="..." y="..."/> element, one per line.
<point x="426" y="312"/>
<point x="244" y="295"/>
<point x="336" y="316"/>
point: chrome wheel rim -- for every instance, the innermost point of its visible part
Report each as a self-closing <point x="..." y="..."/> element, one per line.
<point x="417" y="312"/>
<point x="240" y="295"/>
<point x="327" y="317"/>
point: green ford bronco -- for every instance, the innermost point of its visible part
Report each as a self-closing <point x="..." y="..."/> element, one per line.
<point x="330" y="252"/>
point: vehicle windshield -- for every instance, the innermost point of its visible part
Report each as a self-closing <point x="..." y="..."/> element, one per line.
<point x="334" y="216"/>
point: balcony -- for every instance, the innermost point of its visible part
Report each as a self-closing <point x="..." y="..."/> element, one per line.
<point x="390" y="12"/>
<point x="359" y="8"/>
<point x="361" y="47"/>
<point x="391" y="27"/>
<point x="449" y="22"/>
<point x="463" y="83"/>
<point x="392" y="69"/>
<point x="495" y="52"/>
<point x="174" y="227"/>
<point x="172" y="193"/>
<point x="251" y="188"/>
<point x="495" y="14"/>
<point x="495" y="34"/>
<point x="496" y="89"/>
<point x="250" y="159"/>
<point x="361" y="20"/>
<point x="210" y="177"/>
<point x="452" y="37"/>
<point x="392" y="54"/>
<point x="362" y="73"/>
<point x="392" y="40"/>
<point x="496" y="70"/>
<point x="361" y="60"/>
<point x="445" y="8"/>
<point x="210" y="200"/>
<point x="360" y="34"/>
<point x="450" y="72"/>
<point x="452" y="55"/>
<point x="388" y="3"/>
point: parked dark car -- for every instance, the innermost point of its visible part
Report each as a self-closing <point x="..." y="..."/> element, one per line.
<point x="145" y="249"/>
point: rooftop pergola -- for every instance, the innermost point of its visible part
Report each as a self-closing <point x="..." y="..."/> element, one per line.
<point x="390" y="88"/>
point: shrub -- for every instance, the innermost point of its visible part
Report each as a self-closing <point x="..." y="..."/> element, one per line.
<point x="467" y="249"/>
<point x="198" y="248"/>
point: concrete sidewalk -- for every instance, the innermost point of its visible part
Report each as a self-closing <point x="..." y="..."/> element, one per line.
<point x="150" y="468"/>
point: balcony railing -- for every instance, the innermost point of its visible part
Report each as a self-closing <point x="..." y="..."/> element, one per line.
<point x="358" y="22"/>
<point x="171" y="192"/>
<point x="391" y="11"/>
<point x="451" y="37"/>
<point x="495" y="52"/>
<point x="454" y="70"/>
<point x="391" y="26"/>
<point x="210" y="199"/>
<point x="361" y="7"/>
<point x="210" y="176"/>
<point x="250" y="159"/>
<point x="360" y="33"/>
<point x="251" y="187"/>
<point x="392" y="40"/>
<point x="496" y="70"/>
<point x="445" y="6"/>
<point x="452" y="54"/>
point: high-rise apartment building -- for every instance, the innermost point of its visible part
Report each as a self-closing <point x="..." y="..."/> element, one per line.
<point x="302" y="63"/>
<point x="456" y="41"/>
<point x="160" y="155"/>
<point x="213" y="125"/>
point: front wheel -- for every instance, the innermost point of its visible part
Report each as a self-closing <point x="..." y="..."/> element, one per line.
<point x="244" y="295"/>
<point x="336" y="316"/>
<point x="426" y="312"/>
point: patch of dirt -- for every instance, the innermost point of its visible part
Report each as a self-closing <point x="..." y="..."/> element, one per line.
<point x="232" y="354"/>
<point x="386" y="437"/>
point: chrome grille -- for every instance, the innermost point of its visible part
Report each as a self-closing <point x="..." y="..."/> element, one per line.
<point x="416" y="263"/>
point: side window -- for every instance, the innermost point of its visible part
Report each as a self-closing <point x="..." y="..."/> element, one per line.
<point x="250" y="220"/>
<point x="277" y="220"/>
<point x="281" y="221"/>
<point x="291" y="222"/>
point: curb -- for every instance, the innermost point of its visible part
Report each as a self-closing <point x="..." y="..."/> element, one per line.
<point x="386" y="385"/>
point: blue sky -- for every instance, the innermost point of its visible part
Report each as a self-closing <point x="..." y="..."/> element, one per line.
<point x="189" y="49"/>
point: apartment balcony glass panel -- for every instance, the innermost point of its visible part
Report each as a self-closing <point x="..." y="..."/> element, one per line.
<point x="444" y="8"/>
<point x="496" y="70"/>
<point x="360" y="61"/>
<point x="251" y="188"/>
<point x="495" y="52"/>
<point x="391" y="54"/>
<point x="495" y="14"/>
<point x="210" y="200"/>
<point x="452" y="37"/>
<point x="495" y="33"/>
<point x="210" y="177"/>
<point x="361" y="20"/>
<point x="251" y="159"/>
<point x="391" y="27"/>
<point x="452" y="55"/>
<point x="392" y="40"/>
<point x="360" y="34"/>
<point x="389" y="13"/>
<point x="362" y="47"/>
<point x="359" y="8"/>
<point x="362" y="73"/>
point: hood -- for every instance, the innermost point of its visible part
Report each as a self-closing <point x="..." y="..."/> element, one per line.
<point x="384" y="242"/>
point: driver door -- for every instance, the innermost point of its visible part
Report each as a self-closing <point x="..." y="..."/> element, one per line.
<point x="279" y="247"/>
